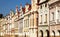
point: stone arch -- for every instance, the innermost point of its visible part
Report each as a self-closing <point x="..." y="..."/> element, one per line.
<point x="41" y="33"/>
<point x="59" y="32"/>
<point x="16" y="35"/>
<point x="47" y="33"/>
<point x="53" y="33"/>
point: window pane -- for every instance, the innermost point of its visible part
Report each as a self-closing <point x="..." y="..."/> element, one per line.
<point x="52" y="16"/>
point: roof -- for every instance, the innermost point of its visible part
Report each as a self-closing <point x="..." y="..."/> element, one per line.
<point x="52" y="1"/>
<point x="23" y="9"/>
<point x="29" y="7"/>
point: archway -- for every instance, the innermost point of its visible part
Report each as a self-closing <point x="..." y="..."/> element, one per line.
<point x="41" y="33"/>
<point x="16" y="35"/>
<point x="53" y="33"/>
<point x="47" y="33"/>
<point x="59" y="32"/>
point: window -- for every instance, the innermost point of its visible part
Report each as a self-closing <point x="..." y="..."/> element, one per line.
<point x="26" y="22"/>
<point x="52" y="15"/>
<point x="58" y="14"/>
<point x="21" y="26"/>
<point x="41" y="7"/>
<point x="37" y="20"/>
<point x="31" y="22"/>
<point x="7" y="18"/>
<point x="41" y="19"/>
<point x="45" y="18"/>
<point x="46" y="5"/>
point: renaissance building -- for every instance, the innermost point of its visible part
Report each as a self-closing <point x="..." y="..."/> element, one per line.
<point x="41" y="18"/>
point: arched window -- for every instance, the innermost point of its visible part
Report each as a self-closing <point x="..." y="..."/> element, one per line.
<point x="47" y="33"/>
<point x="59" y="32"/>
<point x="16" y="35"/>
<point x="53" y="33"/>
<point x="41" y="33"/>
<point x="25" y="35"/>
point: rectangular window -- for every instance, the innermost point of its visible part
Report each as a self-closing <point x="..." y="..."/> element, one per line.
<point x="46" y="5"/>
<point x="58" y="14"/>
<point x="31" y="21"/>
<point x="41" y="19"/>
<point x="37" y="21"/>
<point x="53" y="16"/>
<point x="24" y="23"/>
<point x="41" y="6"/>
<point x="21" y="26"/>
<point x="27" y="23"/>
<point x="45" y="18"/>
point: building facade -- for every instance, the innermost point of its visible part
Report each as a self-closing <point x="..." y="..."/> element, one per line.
<point x="34" y="19"/>
<point x="43" y="27"/>
<point x="48" y="18"/>
<point x="26" y="20"/>
<point x="41" y="18"/>
<point x="54" y="10"/>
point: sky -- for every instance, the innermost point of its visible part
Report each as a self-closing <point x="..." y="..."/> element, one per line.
<point x="6" y="5"/>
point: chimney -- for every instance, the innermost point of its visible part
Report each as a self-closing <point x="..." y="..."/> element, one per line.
<point x="16" y="9"/>
<point x="29" y="7"/>
<point x="20" y="7"/>
<point x="17" y="12"/>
